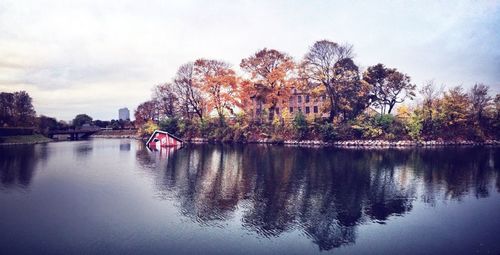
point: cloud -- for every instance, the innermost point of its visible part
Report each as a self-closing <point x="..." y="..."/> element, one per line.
<point x="98" y="56"/>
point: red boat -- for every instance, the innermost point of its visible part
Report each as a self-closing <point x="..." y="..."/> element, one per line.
<point x="163" y="139"/>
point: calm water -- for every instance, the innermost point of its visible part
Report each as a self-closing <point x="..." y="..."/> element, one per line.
<point x="115" y="196"/>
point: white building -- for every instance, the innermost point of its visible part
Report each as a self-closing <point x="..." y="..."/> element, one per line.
<point x="124" y="114"/>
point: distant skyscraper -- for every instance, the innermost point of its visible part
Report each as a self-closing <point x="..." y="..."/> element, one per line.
<point x="124" y="114"/>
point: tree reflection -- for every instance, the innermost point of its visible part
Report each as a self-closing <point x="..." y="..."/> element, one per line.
<point x="17" y="164"/>
<point x="324" y="193"/>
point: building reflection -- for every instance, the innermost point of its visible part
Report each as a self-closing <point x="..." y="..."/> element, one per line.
<point x="324" y="193"/>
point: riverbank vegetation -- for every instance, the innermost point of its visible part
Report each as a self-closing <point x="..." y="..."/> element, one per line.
<point x="324" y="96"/>
<point x="24" y="139"/>
<point x="18" y="121"/>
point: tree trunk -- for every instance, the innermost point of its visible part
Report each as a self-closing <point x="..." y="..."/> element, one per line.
<point x="390" y="108"/>
<point x="332" y="110"/>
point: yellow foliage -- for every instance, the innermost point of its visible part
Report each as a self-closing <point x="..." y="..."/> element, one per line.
<point x="149" y="127"/>
<point x="287" y="117"/>
<point x="403" y="112"/>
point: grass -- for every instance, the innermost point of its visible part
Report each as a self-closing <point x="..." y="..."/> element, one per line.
<point x="24" y="139"/>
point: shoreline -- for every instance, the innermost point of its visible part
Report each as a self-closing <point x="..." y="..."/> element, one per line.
<point x="24" y="139"/>
<point x="360" y="143"/>
<point x="351" y="144"/>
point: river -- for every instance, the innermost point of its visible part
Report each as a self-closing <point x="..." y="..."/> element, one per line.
<point x="107" y="196"/>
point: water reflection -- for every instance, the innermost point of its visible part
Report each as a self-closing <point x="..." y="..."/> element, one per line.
<point x="324" y="193"/>
<point x="125" y="145"/>
<point x="17" y="167"/>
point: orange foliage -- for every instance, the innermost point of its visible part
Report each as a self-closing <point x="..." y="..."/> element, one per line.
<point x="272" y="75"/>
<point x="219" y="83"/>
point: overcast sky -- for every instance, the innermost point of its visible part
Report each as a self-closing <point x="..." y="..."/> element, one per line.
<point x="97" y="56"/>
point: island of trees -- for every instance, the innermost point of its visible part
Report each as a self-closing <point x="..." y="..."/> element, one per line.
<point x="324" y="96"/>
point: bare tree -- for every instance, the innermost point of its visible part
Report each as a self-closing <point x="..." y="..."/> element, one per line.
<point x="320" y="65"/>
<point x="480" y="101"/>
<point x="190" y="96"/>
<point x="166" y="99"/>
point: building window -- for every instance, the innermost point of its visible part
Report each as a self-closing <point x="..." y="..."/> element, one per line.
<point x="307" y="98"/>
<point x="307" y="110"/>
<point x="299" y="108"/>
<point x="291" y="109"/>
<point x="291" y="99"/>
<point x="299" y="99"/>
<point x="315" y="109"/>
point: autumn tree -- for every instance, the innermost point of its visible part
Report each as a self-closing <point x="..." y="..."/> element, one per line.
<point x="329" y="70"/>
<point x="146" y="111"/>
<point x="189" y="94"/>
<point x="428" y="109"/>
<point x="271" y="77"/>
<point x="219" y="83"/>
<point x="390" y="86"/>
<point x="455" y="107"/>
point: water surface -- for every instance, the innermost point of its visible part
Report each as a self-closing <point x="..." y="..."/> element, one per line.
<point x="116" y="197"/>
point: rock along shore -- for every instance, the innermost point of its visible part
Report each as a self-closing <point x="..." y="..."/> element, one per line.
<point x="365" y="143"/>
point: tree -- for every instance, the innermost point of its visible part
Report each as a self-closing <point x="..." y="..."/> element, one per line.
<point x="148" y="128"/>
<point x="328" y="66"/>
<point x="166" y="100"/>
<point x="219" y="83"/>
<point x="351" y="96"/>
<point x="429" y="95"/>
<point x="480" y="100"/>
<point x="271" y="77"/>
<point x="497" y="106"/>
<point x="81" y="119"/>
<point x="102" y="123"/>
<point x="455" y="107"/>
<point x="46" y="124"/>
<point x="146" y="111"/>
<point x="6" y="109"/>
<point x="170" y="125"/>
<point x="390" y="86"/>
<point x="300" y="125"/>
<point x="191" y="100"/>
<point x="16" y="109"/>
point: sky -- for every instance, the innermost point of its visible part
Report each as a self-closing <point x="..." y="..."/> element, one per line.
<point x="97" y="56"/>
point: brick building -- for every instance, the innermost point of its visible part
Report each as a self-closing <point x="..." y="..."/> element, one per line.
<point x="299" y="101"/>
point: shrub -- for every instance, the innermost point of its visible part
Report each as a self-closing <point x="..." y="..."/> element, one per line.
<point x="170" y="125"/>
<point x="383" y="121"/>
<point x="414" y="126"/>
<point x="238" y="133"/>
<point x="300" y="125"/>
<point x="327" y="132"/>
